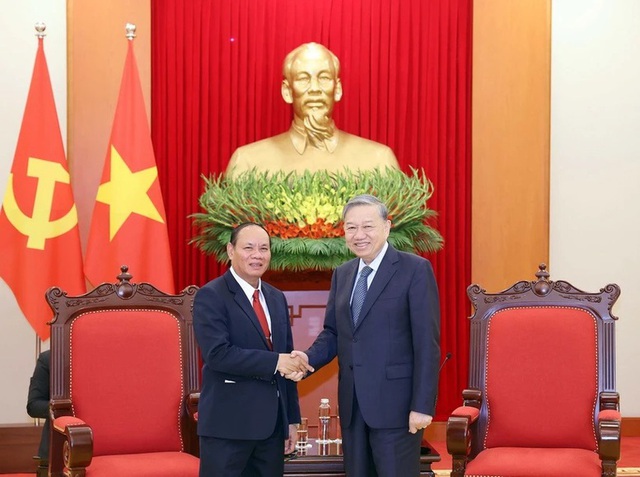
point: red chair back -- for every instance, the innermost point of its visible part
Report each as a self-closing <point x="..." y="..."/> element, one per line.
<point x="541" y="359"/>
<point x="116" y="356"/>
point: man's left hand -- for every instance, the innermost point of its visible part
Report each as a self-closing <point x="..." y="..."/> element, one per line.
<point x="290" y="443"/>
<point x="418" y="421"/>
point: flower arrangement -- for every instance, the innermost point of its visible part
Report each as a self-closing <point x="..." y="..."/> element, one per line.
<point x="303" y="213"/>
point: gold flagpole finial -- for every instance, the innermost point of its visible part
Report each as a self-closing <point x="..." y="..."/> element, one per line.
<point x="130" y="28"/>
<point x="40" y="28"/>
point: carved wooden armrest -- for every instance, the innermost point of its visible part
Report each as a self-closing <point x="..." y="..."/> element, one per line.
<point x="459" y="430"/>
<point x="609" y="431"/>
<point x="71" y="446"/>
<point x="192" y="405"/>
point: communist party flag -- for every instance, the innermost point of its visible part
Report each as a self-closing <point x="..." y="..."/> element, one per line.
<point x="39" y="238"/>
<point x="128" y="225"/>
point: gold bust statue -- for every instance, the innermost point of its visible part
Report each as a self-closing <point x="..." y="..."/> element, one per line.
<point x="311" y="83"/>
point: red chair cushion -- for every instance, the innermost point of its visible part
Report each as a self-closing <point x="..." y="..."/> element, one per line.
<point x="160" y="464"/>
<point x="541" y="382"/>
<point x="609" y="415"/>
<point x="534" y="462"/>
<point x="61" y="423"/>
<point x="121" y="362"/>
<point x="467" y="411"/>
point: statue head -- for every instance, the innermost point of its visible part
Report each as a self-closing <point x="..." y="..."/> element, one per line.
<point x="311" y="83"/>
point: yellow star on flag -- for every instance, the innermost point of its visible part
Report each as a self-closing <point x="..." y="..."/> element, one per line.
<point x="126" y="193"/>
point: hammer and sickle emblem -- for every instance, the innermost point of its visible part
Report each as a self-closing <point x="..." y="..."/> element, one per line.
<point x="39" y="227"/>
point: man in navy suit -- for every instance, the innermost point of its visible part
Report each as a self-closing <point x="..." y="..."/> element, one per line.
<point x="388" y="350"/>
<point x="248" y="410"/>
<point x="38" y="400"/>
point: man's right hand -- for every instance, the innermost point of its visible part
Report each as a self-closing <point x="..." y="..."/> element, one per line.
<point x="298" y="375"/>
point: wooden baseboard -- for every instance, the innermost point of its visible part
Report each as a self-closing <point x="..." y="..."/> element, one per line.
<point x="18" y="444"/>
<point x="631" y="427"/>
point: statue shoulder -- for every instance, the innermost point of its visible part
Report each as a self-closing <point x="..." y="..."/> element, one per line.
<point x="351" y="140"/>
<point x="375" y="154"/>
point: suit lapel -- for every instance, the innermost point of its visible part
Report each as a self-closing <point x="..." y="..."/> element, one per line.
<point x="345" y="289"/>
<point x="385" y="272"/>
<point x="276" y="313"/>
<point x="241" y="300"/>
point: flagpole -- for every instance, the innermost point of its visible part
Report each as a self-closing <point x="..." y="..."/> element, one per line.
<point x="40" y="34"/>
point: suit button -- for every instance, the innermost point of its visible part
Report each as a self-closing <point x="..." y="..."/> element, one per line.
<point x="355" y="340"/>
<point x="351" y="366"/>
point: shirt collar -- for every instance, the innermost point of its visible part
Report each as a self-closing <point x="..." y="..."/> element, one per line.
<point x="375" y="263"/>
<point x="300" y="141"/>
<point x="247" y="288"/>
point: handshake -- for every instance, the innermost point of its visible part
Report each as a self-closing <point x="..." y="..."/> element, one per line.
<point x="294" y="365"/>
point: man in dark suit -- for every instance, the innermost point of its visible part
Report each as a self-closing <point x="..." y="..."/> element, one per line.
<point x="385" y="330"/>
<point x="38" y="402"/>
<point x="248" y="410"/>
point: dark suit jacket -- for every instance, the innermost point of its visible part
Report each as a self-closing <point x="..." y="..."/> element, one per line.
<point x="241" y="394"/>
<point x="391" y="358"/>
<point x="38" y="399"/>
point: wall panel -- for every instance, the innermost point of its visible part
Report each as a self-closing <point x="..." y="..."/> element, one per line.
<point x="510" y="200"/>
<point x="96" y="50"/>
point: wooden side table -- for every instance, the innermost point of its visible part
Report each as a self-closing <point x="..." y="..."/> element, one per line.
<point x="310" y="463"/>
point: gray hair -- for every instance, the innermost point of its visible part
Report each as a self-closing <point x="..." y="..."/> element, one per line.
<point x="366" y="199"/>
<point x="290" y="58"/>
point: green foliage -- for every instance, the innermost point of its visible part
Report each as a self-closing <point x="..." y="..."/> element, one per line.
<point x="303" y="213"/>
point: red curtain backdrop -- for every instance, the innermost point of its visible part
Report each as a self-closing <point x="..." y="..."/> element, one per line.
<point x="406" y="73"/>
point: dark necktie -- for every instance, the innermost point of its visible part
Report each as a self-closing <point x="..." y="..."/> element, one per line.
<point x="359" y="294"/>
<point x="262" y="317"/>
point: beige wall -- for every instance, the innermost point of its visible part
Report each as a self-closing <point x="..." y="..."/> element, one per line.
<point x="17" y="57"/>
<point x="511" y="84"/>
<point x="595" y="158"/>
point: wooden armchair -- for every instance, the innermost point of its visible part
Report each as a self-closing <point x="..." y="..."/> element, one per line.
<point x="124" y="382"/>
<point x="541" y="400"/>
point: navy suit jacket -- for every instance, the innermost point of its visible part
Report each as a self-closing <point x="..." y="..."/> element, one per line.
<point x="241" y="395"/>
<point x="391" y="358"/>
<point x="38" y="399"/>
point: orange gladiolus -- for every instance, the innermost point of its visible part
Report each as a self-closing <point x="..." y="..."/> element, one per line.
<point x="319" y="229"/>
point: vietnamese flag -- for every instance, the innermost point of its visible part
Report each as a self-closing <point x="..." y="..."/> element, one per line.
<point x="39" y="237"/>
<point x="128" y="225"/>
